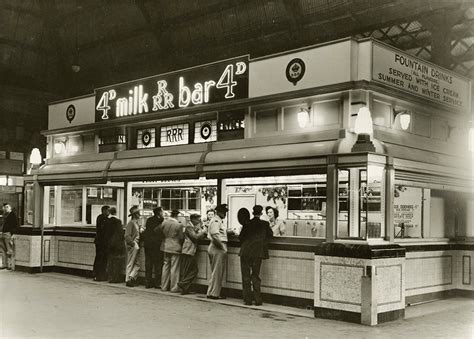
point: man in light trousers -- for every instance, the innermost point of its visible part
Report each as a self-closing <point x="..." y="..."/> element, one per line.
<point x="217" y="233"/>
<point x="132" y="239"/>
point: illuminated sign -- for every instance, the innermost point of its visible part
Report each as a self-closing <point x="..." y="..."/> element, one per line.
<point x="146" y="138"/>
<point x="205" y="131"/>
<point x="231" y="125"/>
<point x="410" y="74"/>
<point x="211" y="83"/>
<point x="174" y="135"/>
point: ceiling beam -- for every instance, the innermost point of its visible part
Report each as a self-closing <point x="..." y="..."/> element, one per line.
<point x="22" y="45"/>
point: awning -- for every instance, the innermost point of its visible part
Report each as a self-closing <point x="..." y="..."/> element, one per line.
<point x="67" y="173"/>
<point x="303" y="156"/>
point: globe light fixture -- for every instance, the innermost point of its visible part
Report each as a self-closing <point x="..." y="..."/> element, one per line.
<point x="35" y="157"/>
<point x="404" y="118"/>
<point x="303" y="117"/>
<point x="364" y="129"/>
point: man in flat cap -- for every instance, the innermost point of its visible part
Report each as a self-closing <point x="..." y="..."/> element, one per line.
<point x="217" y="233"/>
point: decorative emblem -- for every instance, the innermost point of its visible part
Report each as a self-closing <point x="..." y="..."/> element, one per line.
<point x="146" y="138"/>
<point x="70" y="113"/>
<point x="295" y="70"/>
<point x="206" y="130"/>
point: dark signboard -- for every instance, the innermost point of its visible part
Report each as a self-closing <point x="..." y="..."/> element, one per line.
<point x="211" y="83"/>
<point x="231" y="125"/>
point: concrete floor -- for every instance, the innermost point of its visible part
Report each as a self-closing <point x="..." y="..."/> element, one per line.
<point x="56" y="305"/>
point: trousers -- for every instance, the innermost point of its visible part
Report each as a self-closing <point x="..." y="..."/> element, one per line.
<point x="188" y="272"/>
<point x="250" y="269"/>
<point x="115" y="267"/>
<point x="217" y="258"/>
<point x="153" y="263"/>
<point x="100" y="262"/>
<point x="170" y="272"/>
<point x="6" y="246"/>
<point x="133" y="264"/>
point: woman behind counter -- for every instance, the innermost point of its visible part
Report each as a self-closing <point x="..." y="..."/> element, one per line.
<point x="277" y="225"/>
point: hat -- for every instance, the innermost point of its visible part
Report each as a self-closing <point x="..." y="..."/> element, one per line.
<point x="134" y="209"/>
<point x="222" y="208"/>
<point x="257" y="210"/>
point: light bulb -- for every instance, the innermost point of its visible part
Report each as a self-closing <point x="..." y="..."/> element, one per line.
<point x="363" y="123"/>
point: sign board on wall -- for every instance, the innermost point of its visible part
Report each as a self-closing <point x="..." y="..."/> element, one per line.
<point x="146" y="138"/>
<point x="211" y="83"/>
<point x="407" y="210"/>
<point x="412" y="75"/>
<point x="174" y="135"/>
<point x="70" y="113"/>
<point x="205" y="131"/>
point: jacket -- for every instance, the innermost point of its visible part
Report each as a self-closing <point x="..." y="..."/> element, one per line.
<point x="254" y="239"/>
<point x="192" y="234"/>
<point x="174" y="236"/>
<point x="132" y="232"/>
<point x="151" y="238"/>
<point x="10" y="224"/>
<point x="100" y="232"/>
<point x="116" y="243"/>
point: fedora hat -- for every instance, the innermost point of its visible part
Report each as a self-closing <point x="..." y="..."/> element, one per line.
<point x="222" y="208"/>
<point x="134" y="209"/>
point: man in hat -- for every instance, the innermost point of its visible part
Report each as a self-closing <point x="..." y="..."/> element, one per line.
<point x="132" y="238"/>
<point x="217" y="233"/>
<point x="253" y="249"/>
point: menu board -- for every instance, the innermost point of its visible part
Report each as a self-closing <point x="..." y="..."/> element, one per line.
<point x="407" y="210"/>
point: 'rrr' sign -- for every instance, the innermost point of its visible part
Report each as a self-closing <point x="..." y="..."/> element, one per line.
<point x="212" y="83"/>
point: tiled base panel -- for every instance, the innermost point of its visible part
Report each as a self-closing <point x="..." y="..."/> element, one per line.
<point x="429" y="272"/>
<point x="286" y="273"/>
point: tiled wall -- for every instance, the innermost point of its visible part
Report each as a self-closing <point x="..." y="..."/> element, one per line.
<point x="338" y="283"/>
<point x="436" y="271"/>
<point x="286" y="273"/>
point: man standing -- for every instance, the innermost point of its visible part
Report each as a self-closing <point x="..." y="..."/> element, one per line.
<point x="153" y="254"/>
<point x="132" y="238"/>
<point x="188" y="263"/>
<point x="172" y="245"/>
<point x="100" y="261"/>
<point x="116" y="251"/>
<point x="217" y="233"/>
<point x="10" y="224"/>
<point x="253" y="248"/>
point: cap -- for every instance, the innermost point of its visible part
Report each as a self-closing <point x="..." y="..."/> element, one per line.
<point x="222" y="208"/>
<point x="134" y="209"/>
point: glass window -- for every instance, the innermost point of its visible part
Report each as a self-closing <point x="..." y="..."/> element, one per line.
<point x="29" y="204"/>
<point x="79" y="205"/>
<point x="299" y="200"/>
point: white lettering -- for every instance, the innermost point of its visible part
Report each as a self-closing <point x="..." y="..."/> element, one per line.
<point x="241" y="67"/>
<point x="227" y="81"/>
<point x="197" y="94"/>
<point x="103" y="105"/>
<point x="121" y="108"/>
<point x="207" y="89"/>
<point x="163" y="99"/>
<point x="184" y="94"/>
<point x="142" y="100"/>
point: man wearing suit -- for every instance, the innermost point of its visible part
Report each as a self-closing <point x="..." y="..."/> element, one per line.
<point x="100" y="261"/>
<point x="253" y="249"/>
<point x="172" y="245"/>
<point x="132" y="239"/>
<point x="116" y="250"/>
<point x="153" y="255"/>
<point x="10" y="226"/>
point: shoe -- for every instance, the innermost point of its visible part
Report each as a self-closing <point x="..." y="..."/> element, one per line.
<point x="212" y="297"/>
<point x="148" y="286"/>
<point x="259" y="304"/>
<point x="130" y="283"/>
<point x="222" y="297"/>
<point x="247" y="303"/>
<point x="3" y="268"/>
<point x="184" y="292"/>
<point x="158" y="286"/>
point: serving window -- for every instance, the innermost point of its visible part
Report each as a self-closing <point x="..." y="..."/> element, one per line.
<point x="78" y="205"/>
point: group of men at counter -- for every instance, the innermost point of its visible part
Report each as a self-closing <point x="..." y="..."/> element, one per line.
<point x="170" y="248"/>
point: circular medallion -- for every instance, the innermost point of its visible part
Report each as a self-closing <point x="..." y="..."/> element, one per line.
<point x="295" y="70"/>
<point x="206" y="130"/>
<point x="70" y="113"/>
<point x="146" y="138"/>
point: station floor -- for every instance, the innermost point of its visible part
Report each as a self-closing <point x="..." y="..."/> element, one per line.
<point x="53" y="305"/>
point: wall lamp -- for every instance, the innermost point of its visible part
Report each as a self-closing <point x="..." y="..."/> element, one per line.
<point x="35" y="157"/>
<point x="404" y="117"/>
<point x="60" y="146"/>
<point x="364" y="129"/>
<point x="303" y="116"/>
